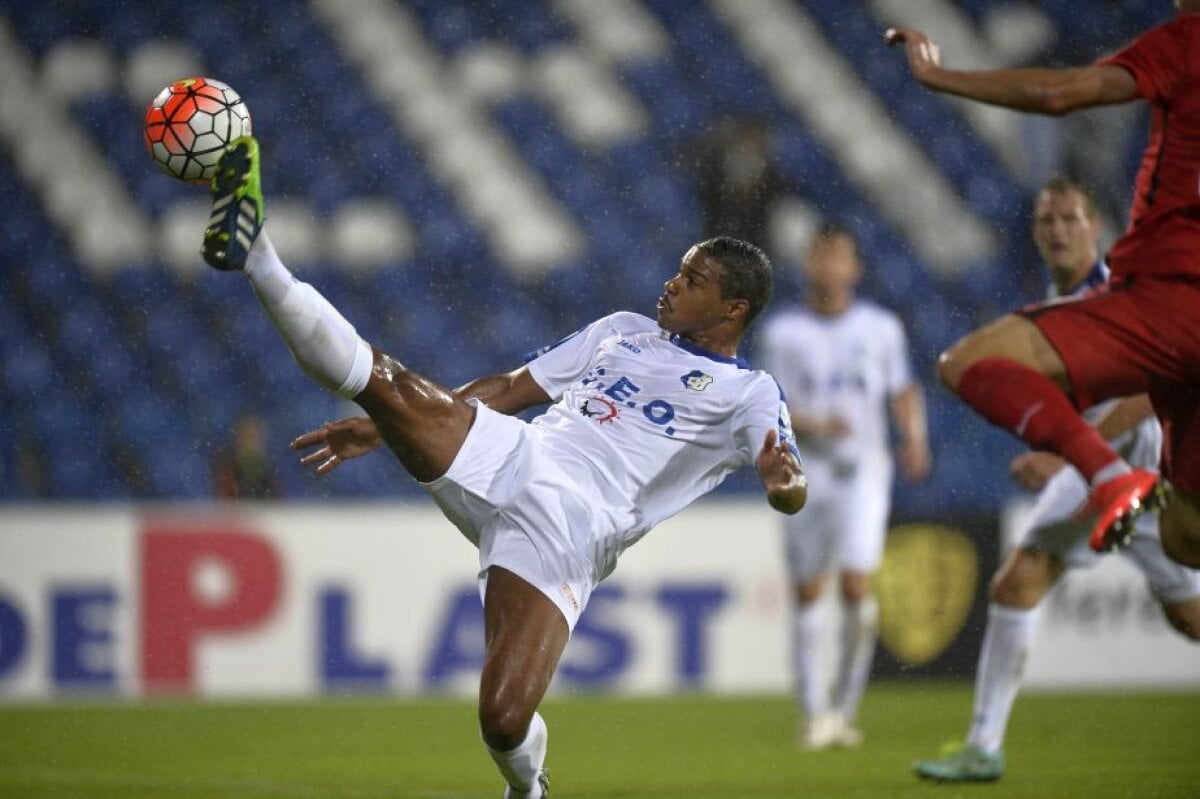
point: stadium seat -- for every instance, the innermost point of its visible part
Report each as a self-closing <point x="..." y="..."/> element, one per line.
<point x="163" y="357"/>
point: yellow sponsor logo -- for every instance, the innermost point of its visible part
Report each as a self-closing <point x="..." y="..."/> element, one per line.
<point x="925" y="586"/>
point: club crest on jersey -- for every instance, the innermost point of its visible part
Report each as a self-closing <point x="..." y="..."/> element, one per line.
<point x="599" y="408"/>
<point x="696" y="380"/>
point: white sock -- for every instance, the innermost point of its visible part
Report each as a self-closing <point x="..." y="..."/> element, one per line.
<point x="325" y="345"/>
<point x="860" y="630"/>
<point x="520" y="766"/>
<point x="1114" y="469"/>
<point x="1006" y="644"/>
<point x="807" y="636"/>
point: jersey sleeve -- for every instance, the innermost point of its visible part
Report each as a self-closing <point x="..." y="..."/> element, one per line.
<point x="1154" y="59"/>
<point x="762" y="409"/>
<point x="556" y="366"/>
<point x="897" y="366"/>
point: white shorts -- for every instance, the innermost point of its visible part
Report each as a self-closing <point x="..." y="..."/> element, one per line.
<point x="1050" y="527"/>
<point x="844" y="522"/>
<point x="522" y="511"/>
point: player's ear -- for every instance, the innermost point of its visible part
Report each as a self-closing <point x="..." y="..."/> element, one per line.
<point x="737" y="309"/>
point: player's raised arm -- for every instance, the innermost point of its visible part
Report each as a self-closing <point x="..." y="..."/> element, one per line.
<point x="340" y="441"/>
<point x="507" y="393"/>
<point x="1036" y="89"/>
<point x="787" y="487"/>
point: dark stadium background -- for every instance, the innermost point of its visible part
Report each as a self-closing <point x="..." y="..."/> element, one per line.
<point x="123" y="366"/>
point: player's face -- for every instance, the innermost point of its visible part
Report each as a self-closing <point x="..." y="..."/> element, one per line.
<point x="832" y="267"/>
<point x="1064" y="233"/>
<point x="691" y="301"/>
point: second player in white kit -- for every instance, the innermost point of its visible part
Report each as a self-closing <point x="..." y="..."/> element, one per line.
<point x="843" y="364"/>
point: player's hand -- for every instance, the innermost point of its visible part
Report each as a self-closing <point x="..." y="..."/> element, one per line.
<point x="787" y="487"/>
<point x="923" y="55"/>
<point x="835" y="427"/>
<point x="338" y="442"/>
<point x="1032" y="470"/>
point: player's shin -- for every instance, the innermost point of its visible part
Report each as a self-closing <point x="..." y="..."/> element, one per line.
<point x="1002" y="658"/>
<point x="860" y="631"/>
<point x="1032" y="407"/>
<point x="522" y="767"/>
<point x="326" y="346"/>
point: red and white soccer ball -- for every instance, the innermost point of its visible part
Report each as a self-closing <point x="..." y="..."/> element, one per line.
<point x="190" y="123"/>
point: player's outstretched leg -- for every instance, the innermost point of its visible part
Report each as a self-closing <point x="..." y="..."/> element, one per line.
<point x="962" y="763"/>
<point x="325" y="345"/>
<point x="525" y="636"/>
<point x="1119" y="502"/>
<point x="237" y="209"/>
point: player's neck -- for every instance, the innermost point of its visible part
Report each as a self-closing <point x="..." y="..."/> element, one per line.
<point x="827" y="304"/>
<point x="1067" y="281"/>
<point x="716" y="342"/>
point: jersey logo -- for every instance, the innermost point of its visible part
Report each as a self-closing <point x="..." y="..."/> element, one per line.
<point x="600" y="409"/>
<point x="696" y="380"/>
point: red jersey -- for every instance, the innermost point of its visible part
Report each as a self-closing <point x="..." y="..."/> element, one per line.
<point x="1163" y="237"/>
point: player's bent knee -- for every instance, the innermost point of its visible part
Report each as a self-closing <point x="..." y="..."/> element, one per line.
<point x="950" y="367"/>
<point x="502" y="723"/>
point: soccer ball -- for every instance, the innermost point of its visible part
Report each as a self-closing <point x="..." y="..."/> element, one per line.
<point x="190" y="123"/>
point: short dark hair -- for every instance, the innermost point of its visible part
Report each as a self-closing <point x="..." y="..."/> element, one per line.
<point x="1063" y="185"/>
<point x="833" y="229"/>
<point x="746" y="272"/>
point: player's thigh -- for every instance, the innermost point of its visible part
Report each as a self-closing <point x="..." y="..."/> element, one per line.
<point x="525" y="634"/>
<point x="1013" y="337"/>
<point x="422" y="422"/>
<point x="864" y="517"/>
<point x="810" y="543"/>
<point x="1177" y="405"/>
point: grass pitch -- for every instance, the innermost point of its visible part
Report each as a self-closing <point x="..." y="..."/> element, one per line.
<point x="1077" y="745"/>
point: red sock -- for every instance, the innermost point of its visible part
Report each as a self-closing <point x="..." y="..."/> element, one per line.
<point x="1032" y="407"/>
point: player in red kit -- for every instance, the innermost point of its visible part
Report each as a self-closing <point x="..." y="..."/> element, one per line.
<point x="1032" y="371"/>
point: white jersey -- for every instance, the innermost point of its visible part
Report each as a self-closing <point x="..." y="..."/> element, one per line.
<point x="848" y="366"/>
<point x="649" y="420"/>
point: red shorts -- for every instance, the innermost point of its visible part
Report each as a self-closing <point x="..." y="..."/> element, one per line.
<point x="1132" y="336"/>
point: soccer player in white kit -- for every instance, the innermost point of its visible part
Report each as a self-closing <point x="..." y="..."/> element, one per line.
<point x="843" y="363"/>
<point x="1066" y="230"/>
<point x="646" y="417"/>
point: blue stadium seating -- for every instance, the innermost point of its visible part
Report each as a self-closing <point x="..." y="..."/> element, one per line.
<point x="124" y="386"/>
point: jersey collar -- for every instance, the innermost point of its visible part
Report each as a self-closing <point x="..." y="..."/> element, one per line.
<point x="688" y="346"/>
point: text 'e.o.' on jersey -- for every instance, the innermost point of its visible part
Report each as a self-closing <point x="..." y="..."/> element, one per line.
<point x="648" y="421"/>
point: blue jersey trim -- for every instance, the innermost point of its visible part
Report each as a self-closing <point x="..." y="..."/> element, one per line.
<point x="785" y="425"/>
<point x="712" y="356"/>
<point x="533" y="356"/>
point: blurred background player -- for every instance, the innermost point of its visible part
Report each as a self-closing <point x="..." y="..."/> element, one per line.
<point x="1030" y="372"/>
<point x="1066" y="230"/>
<point x="844" y="362"/>
<point x="647" y="415"/>
<point x="738" y="180"/>
<point x="242" y="468"/>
